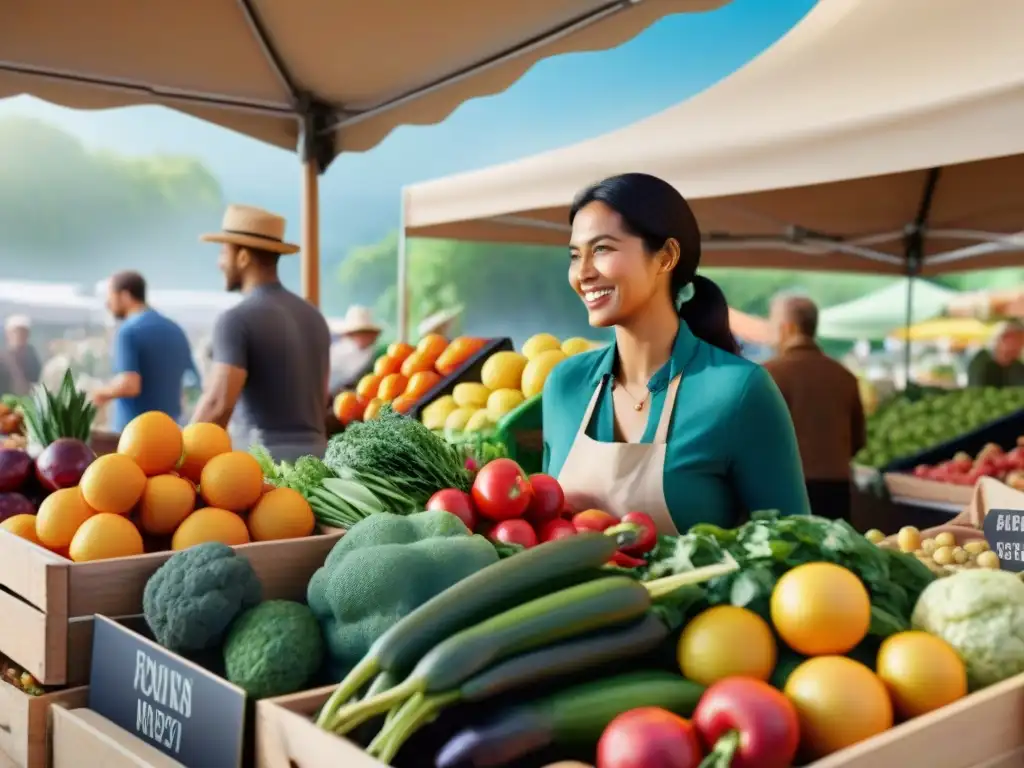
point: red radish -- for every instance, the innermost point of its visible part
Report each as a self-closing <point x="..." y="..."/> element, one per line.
<point x="594" y="520"/>
<point x="63" y="462"/>
<point x="514" y="532"/>
<point x="501" y="490"/>
<point x="548" y="499"/>
<point x="458" y="503"/>
<point x="646" y="538"/>
<point x="557" y="529"/>
<point x="649" y="737"/>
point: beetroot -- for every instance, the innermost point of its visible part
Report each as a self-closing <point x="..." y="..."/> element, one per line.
<point x="15" y="469"/>
<point x="62" y="463"/>
<point x="12" y="504"/>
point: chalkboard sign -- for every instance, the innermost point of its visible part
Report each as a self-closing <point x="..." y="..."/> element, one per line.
<point x="1004" y="531"/>
<point x="181" y="709"/>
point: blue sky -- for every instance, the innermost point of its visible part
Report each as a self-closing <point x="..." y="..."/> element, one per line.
<point x="560" y="101"/>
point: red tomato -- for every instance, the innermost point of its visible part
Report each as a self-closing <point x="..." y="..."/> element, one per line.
<point x="649" y="737"/>
<point x="501" y="490"/>
<point x="749" y="720"/>
<point x="459" y="503"/>
<point x="547" y="500"/>
<point x="594" y="520"/>
<point x="623" y="560"/>
<point x="646" y="539"/>
<point x="557" y="529"/>
<point x="514" y="532"/>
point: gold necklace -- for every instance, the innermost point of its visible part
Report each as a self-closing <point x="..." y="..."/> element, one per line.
<point x="638" y="405"/>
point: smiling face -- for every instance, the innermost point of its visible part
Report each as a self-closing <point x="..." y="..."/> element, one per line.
<point x="611" y="269"/>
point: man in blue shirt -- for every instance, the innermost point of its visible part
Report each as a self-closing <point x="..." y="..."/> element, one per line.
<point x="151" y="355"/>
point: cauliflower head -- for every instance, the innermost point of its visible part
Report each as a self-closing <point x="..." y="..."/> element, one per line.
<point x="273" y="649"/>
<point x="192" y="598"/>
<point x="981" y="614"/>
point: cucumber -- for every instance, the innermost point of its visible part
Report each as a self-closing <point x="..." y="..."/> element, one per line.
<point x="481" y="595"/>
<point x="575" y="716"/>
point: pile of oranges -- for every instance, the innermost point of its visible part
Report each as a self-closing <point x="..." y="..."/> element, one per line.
<point x="165" y="488"/>
<point x="404" y="374"/>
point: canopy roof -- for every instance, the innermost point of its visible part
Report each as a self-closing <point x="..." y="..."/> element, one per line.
<point x="879" y="313"/>
<point x="873" y="129"/>
<point x="957" y="331"/>
<point x="356" y="69"/>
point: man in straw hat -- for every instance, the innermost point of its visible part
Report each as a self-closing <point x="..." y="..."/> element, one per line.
<point x="442" y="322"/>
<point x="270" y="351"/>
<point x="355" y="348"/>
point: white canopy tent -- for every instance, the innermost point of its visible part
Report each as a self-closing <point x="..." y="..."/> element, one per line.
<point x="876" y="136"/>
<point x="877" y="314"/>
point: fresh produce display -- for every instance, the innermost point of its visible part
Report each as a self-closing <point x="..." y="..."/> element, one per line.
<point x="991" y="461"/>
<point x="943" y="553"/>
<point x="905" y="427"/>
<point x="12" y="423"/>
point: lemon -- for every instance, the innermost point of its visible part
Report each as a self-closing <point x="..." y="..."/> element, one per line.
<point x="471" y="395"/>
<point x="503" y="370"/>
<point x="542" y="342"/>
<point x="478" y="422"/>
<point x="726" y="641"/>
<point x="576" y="345"/>
<point x="433" y="415"/>
<point x="458" y="419"/>
<point x="537" y="370"/>
<point x="503" y="401"/>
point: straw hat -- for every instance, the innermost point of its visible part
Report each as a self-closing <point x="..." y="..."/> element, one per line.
<point x="357" y="319"/>
<point x="251" y="227"/>
<point x="438" y="320"/>
<point x="18" y="321"/>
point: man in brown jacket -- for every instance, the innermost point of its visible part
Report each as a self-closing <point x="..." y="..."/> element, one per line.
<point x="824" y="401"/>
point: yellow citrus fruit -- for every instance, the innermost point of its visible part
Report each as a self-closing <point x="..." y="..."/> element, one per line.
<point x="232" y="481"/>
<point x="538" y="369"/>
<point x="210" y="524"/>
<point x="726" y="641"/>
<point x="60" y="516"/>
<point x="576" y="345"/>
<point x="459" y="418"/>
<point x="22" y="525"/>
<point x="469" y="394"/>
<point x="541" y="342"/>
<point x="166" y="501"/>
<point x="113" y="483"/>
<point x="104" y="536"/>
<point x="503" y="370"/>
<point x="153" y="440"/>
<point x="839" y="702"/>
<point x="479" y="421"/>
<point x="503" y="401"/>
<point x="921" y="671"/>
<point x="281" y="514"/>
<point x="821" y="609"/>
<point x="201" y="443"/>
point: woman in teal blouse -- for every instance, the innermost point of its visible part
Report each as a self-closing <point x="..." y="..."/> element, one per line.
<point x="668" y="419"/>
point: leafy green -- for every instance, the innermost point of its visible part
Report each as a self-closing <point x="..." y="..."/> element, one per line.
<point x="770" y="544"/>
<point x="49" y="417"/>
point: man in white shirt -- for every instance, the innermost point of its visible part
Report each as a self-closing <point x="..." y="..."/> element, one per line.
<point x="354" y="349"/>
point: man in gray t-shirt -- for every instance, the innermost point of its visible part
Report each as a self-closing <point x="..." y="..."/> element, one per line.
<point x="271" y="352"/>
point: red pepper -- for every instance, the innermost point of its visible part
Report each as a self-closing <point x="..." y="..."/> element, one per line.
<point x="745" y="723"/>
<point x="647" y="537"/>
<point x="623" y="560"/>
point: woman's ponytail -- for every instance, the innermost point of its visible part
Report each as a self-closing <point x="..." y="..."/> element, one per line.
<point x="704" y="309"/>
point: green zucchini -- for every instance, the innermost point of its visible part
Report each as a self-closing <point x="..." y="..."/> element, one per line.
<point x="569" y="613"/>
<point x="480" y="596"/>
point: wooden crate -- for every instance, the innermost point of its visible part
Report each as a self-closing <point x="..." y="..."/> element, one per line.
<point x="83" y="738"/>
<point x="24" y="723"/>
<point x="905" y="486"/>
<point x="48" y="602"/>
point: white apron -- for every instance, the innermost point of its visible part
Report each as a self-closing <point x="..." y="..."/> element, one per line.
<point x="620" y="477"/>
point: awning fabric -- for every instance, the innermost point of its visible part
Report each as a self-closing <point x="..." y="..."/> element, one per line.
<point x="958" y="331"/>
<point x="872" y="128"/>
<point x="879" y="313"/>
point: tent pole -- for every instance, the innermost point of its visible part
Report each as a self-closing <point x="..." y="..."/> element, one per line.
<point x="309" y="265"/>
<point x="907" y="325"/>
<point x="403" y="279"/>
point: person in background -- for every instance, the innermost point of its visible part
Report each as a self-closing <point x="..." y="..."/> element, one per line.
<point x="1001" y="366"/>
<point x="271" y="352"/>
<point x="355" y="348"/>
<point x="151" y="355"/>
<point x="824" y="401"/>
<point x="22" y="354"/>
<point x="442" y="323"/>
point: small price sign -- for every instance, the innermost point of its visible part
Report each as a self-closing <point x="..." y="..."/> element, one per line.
<point x="170" y="703"/>
<point x="1004" y="531"/>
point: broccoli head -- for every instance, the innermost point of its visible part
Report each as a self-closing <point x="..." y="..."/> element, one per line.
<point x="381" y="570"/>
<point x="192" y="598"/>
<point x="273" y="649"/>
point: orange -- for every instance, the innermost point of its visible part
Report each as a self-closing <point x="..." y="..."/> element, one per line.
<point x="202" y="442"/>
<point x="457" y="353"/>
<point x="416" y="363"/>
<point x="372" y="409"/>
<point x="726" y="641"/>
<point x="386" y="365"/>
<point x="422" y="382"/>
<point x="432" y="345"/>
<point x="368" y="385"/>
<point x="166" y="501"/>
<point x="821" y="609"/>
<point x="399" y="351"/>
<point x="105" y="536"/>
<point x="392" y="386"/>
<point x="153" y="440"/>
<point x="210" y="524"/>
<point x="59" y="517"/>
<point x="403" y="403"/>
<point x="113" y="483"/>
<point x="281" y="514"/>
<point x="22" y="525"/>
<point x="839" y="702"/>
<point x="232" y="481"/>
<point x="921" y="671"/>
<point x="348" y="407"/>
